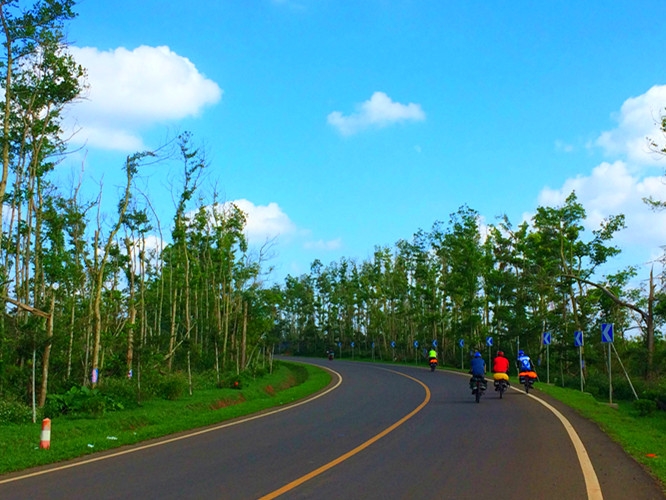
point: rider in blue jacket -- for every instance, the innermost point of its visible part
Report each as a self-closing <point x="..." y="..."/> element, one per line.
<point x="477" y="369"/>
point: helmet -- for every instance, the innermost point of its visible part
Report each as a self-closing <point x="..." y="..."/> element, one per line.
<point x="500" y="353"/>
<point x="477" y="354"/>
<point x="521" y="353"/>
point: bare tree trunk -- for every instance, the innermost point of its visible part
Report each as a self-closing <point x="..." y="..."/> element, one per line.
<point x="649" y="330"/>
<point x="131" y="324"/>
<point x="70" y="347"/>
<point x="47" y="353"/>
<point x="130" y="170"/>
<point x="6" y="121"/>
<point x="172" y="336"/>
<point x="244" y="338"/>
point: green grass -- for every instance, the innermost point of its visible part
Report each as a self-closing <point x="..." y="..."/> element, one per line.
<point x="642" y="437"/>
<point x="76" y="437"/>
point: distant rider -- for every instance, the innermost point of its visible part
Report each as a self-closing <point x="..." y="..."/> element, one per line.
<point x="432" y="354"/>
<point x="524" y="362"/>
<point x="477" y="369"/>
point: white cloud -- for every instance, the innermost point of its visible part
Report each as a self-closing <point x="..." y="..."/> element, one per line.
<point x="264" y="222"/>
<point x="611" y="189"/>
<point x="379" y="111"/>
<point x="620" y="185"/>
<point x="638" y="119"/>
<point x="132" y="90"/>
<point x="326" y="246"/>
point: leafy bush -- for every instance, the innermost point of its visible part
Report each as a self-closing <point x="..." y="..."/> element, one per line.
<point x="15" y="412"/>
<point x="121" y="391"/>
<point x="645" y="407"/>
<point x="80" y="401"/>
<point x="172" y="387"/>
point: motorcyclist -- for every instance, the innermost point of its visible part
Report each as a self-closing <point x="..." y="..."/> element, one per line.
<point x="500" y="363"/>
<point x="524" y="362"/>
<point x="478" y="370"/>
<point x="432" y="354"/>
<point x="525" y="368"/>
<point x="500" y="369"/>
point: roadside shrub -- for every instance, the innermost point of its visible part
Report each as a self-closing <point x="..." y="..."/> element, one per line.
<point x="656" y="393"/>
<point x="120" y="391"/>
<point x="205" y="380"/>
<point x="15" y="412"/>
<point x="80" y="401"/>
<point x="644" y="407"/>
<point x="172" y="387"/>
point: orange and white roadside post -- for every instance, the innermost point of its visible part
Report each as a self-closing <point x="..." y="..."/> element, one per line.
<point x="45" y="440"/>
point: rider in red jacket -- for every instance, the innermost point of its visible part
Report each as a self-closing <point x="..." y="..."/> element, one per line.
<point x="500" y="363"/>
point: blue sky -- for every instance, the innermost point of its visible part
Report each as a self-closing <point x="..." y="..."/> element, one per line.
<point x="338" y="126"/>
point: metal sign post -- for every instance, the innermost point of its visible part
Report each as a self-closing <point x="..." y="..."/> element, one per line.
<point x="416" y="352"/>
<point x="607" y="338"/>
<point x="546" y="342"/>
<point x="461" y="343"/>
<point x="578" y="342"/>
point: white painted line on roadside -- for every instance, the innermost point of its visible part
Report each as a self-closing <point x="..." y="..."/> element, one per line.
<point x="180" y="437"/>
<point x="591" y="481"/>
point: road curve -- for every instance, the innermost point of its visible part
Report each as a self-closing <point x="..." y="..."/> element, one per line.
<point x="403" y="432"/>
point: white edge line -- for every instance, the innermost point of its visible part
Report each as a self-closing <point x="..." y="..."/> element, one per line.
<point x="591" y="481"/>
<point x="184" y="436"/>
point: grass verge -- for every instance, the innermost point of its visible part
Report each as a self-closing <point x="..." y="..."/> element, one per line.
<point x="642" y="436"/>
<point x="76" y="437"/>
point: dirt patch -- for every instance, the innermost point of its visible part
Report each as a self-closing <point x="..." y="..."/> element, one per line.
<point x="290" y="381"/>
<point x="223" y="403"/>
<point x="269" y="390"/>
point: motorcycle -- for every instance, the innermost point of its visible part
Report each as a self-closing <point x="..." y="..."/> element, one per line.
<point x="527" y="379"/>
<point x="501" y="383"/>
<point x="478" y="387"/>
<point x="433" y="364"/>
<point x="330" y="355"/>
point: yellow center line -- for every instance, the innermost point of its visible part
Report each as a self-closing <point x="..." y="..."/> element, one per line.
<point x="358" y="449"/>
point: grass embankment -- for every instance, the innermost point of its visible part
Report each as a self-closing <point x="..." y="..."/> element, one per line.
<point x="75" y="437"/>
<point x="641" y="436"/>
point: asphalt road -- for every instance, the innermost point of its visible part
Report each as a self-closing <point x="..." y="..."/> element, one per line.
<point x="384" y="432"/>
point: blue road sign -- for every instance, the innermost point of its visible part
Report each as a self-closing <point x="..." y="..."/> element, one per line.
<point x="489" y="341"/>
<point x="352" y="344"/>
<point x="607" y="332"/>
<point x="339" y="344"/>
<point x="373" y="345"/>
<point x="434" y="343"/>
<point x="546" y="338"/>
<point x="461" y="342"/>
<point x="393" y="344"/>
<point x="578" y="338"/>
<point x="416" y="343"/>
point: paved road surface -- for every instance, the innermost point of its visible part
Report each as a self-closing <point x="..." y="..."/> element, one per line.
<point x="385" y="432"/>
